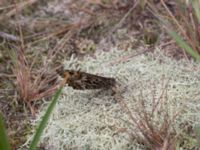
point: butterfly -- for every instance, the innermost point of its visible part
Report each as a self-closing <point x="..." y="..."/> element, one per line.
<point x="83" y="81"/>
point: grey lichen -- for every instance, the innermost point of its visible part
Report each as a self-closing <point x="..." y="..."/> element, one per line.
<point x="93" y="119"/>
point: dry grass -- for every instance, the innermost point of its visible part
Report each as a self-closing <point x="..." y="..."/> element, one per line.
<point x="35" y="78"/>
<point x="153" y="123"/>
<point x="16" y="8"/>
<point x="31" y="85"/>
<point x="181" y="17"/>
<point x="186" y="21"/>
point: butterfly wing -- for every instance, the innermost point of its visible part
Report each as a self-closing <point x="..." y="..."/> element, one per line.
<point x="82" y="80"/>
<point x="98" y="82"/>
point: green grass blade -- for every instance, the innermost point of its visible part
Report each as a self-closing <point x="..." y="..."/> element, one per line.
<point x="44" y="121"/>
<point x="4" y="143"/>
<point x="184" y="45"/>
<point x="197" y="131"/>
<point x="195" y="4"/>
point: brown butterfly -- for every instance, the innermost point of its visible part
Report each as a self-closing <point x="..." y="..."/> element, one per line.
<point x="82" y="80"/>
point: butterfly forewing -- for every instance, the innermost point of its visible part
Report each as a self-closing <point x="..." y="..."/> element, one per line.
<point x="81" y="80"/>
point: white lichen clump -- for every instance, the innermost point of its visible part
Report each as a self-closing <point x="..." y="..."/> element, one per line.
<point x="92" y="119"/>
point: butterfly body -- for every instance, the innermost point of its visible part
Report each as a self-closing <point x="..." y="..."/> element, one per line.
<point x="82" y="80"/>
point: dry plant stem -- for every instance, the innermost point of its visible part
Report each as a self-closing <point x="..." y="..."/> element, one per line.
<point x="68" y="27"/>
<point x="7" y="7"/>
<point x="154" y="103"/>
<point x="20" y="7"/>
<point x="31" y="89"/>
<point x="119" y="98"/>
<point x="51" y="55"/>
<point x="84" y="10"/>
<point x="195" y="37"/>
<point x="162" y="45"/>
<point x="124" y="18"/>
<point x="156" y="138"/>
<point x="192" y="35"/>
<point x="7" y="75"/>
<point x="34" y="60"/>
<point x="99" y="3"/>
<point x="179" y="26"/>
<point x="46" y="93"/>
<point x="61" y="44"/>
<point x="9" y="37"/>
<point x="31" y="109"/>
<point x="126" y="58"/>
<point x="148" y="130"/>
<point x="19" y="28"/>
<point x="164" y="92"/>
<point x="175" y="20"/>
<point x="22" y="74"/>
<point x="193" y="24"/>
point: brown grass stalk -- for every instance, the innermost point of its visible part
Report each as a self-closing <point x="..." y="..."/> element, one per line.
<point x="31" y="88"/>
<point x="19" y="8"/>
<point x="156" y="134"/>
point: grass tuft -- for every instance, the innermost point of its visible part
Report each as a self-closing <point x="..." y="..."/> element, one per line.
<point x="153" y="123"/>
<point x="32" y="85"/>
<point x="181" y="21"/>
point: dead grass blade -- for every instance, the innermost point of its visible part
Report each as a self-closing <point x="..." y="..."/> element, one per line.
<point x="154" y="124"/>
<point x="19" y="8"/>
<point x="32" y="88"/>
<point x="182" y="24"/>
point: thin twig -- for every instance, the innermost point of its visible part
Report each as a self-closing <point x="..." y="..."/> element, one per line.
<point x="127" y="58"/>
<point x="9" y="36"/>
<point x="124" y="18"/>
<point x="7" y="75"/>
<point x="179" y="26"/>
<point x="20" y="7"/>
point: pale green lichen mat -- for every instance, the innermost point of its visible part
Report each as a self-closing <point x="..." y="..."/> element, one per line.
<point x="92" y="119"/>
